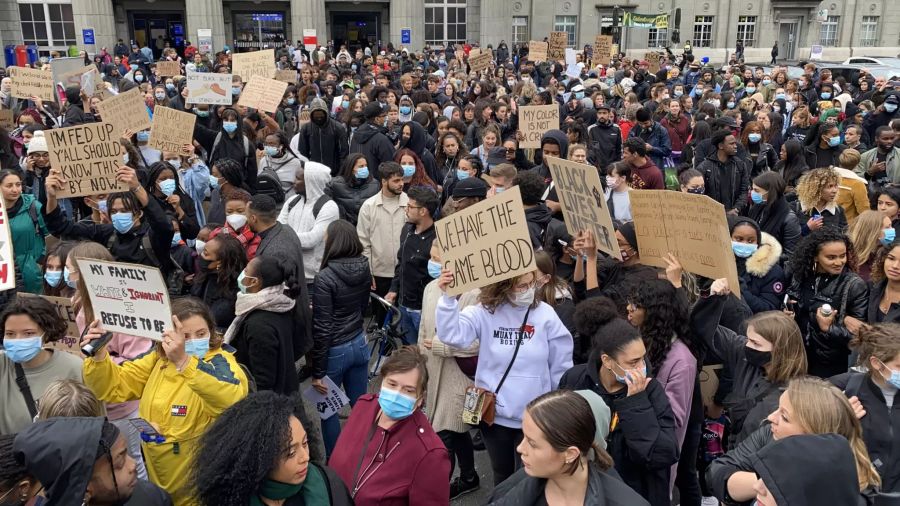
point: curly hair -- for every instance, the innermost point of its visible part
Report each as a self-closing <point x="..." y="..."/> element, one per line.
<point x="878" y="264"/>
<point x="804" y="258"/>
<point x="497" y="294"/>
<point x="666" y="315"/>
<point x="242" y="447"/>
<point x="41" y="311"/>
<point x="811" y="184"/>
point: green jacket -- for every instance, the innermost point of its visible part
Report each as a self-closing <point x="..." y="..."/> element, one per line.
<point x="892" y="166"/>
<point x="28" y="242"/>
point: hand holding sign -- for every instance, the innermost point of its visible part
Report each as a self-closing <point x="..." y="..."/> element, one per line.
<point x="54" y="182"/>
<point x="173" y="343"/>
<point x="128" y="176"/>
<point x="445" y="280"/>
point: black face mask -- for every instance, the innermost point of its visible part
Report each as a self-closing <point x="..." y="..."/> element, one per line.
<point x="204" y="264"/>
<point x="756" y="357"/>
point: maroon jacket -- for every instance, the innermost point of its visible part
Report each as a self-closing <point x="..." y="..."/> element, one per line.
<point x="647" y="177"/>
<point x="405" y="465"/>
<point x="678" y="132"/>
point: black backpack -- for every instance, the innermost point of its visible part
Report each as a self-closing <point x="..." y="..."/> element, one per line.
<point x="290" y="122"/>
<point x="267" y="183"/>
<point x="174" y="280"/>
<point x="320" y="202"/>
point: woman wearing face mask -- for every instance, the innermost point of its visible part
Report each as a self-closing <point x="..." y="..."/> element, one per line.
<point x="288" y="111"/>
<point x="413" y="170"/>
<point x="827" y="299"/>
<point x="510" y="308"/>
<point x="148" y="155"/>
<point x="823" y="146"/>
<point x="193" y="177"/>
<point x="220" y="262"/>
<point x="352" y="186"/>
<point x="816" y="207"/>
<point x="163" y="185"/>
<point x="187" y="369"/>
<point x="26" y="228"/>
<point x="808" y="406"/>
<point x="236" y="222"/>
<point x="757" y="255"/>
<point x="161" y="96"/>
<point x="28" y="324"/>
<point x="771" y="210"/>
<point x="641" y="439"/>
<point x="224" y="177"/>
<point x="448" y="152"/>
<point x="691" y="181"/>
<point x="229" y="143"/>
<point x="282" y="160"/>
<point x="560" y="430"/>
<point x="469" y="166"/>
<point x="405" y="109"/>
<point x="868" y="233"/>
<point x="53" y="265"/>
<point x="762" y="156"/>
<point x="388" y="444"/>
<point x="618" y="184"/>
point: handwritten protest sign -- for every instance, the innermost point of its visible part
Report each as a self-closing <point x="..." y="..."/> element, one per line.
<point x="207" y="88"/>
<point x="74" y="77"/>
<point x="7" y="120"/>
<point x="287" y="75"/>
<point x="66" y="312"/>
<point x="558" y="43"/>
<point x="583" y="203"/>
<point x="92" y="84"/>
<point x="263" y="94"/>
<point x="602" y="49"/>
<point x="479" y="59"/>
<point x="537" y="50"/>
<point x="691" y="227"/>
<point x="125" y="111"/>
<point x="128" y="298"/>
<point x="27" y="83"/>
<point x="168" y="68"/>
<point x="486" y="243"/>
<point x="330" y="403"/>
<point x="64" y="70"/>
<point x="171" y="129"/>
<point x="257" y="63"/>
<point x="535" y="121"/>
<point x="653" y="59"/>
<point x="7" y="255"/>
<point x="88" y="157"/>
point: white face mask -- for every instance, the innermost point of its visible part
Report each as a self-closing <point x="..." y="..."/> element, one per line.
<point x="612" y="182"/>
<point x="237" y="221"/>
<point x="522" y="299"/>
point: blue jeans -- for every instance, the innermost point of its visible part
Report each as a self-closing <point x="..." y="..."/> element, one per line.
<point x="409" y="323"/>
<point x="348" y="367"/>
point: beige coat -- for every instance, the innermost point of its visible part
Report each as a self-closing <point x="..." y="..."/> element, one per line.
<point x="379" y="226"/>
<point x="446" y="382"/>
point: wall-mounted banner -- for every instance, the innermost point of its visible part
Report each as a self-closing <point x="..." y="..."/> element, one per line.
<point x="635" y="20"/>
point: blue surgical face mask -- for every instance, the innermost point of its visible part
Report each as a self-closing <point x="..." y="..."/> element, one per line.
<point x="170" y="86"/>
<point x="201" y="114"/>
<point x="894" y="378"/>
<point x="405" y="109"/>
<point x="134" y="66"/>
<point x="240" y="282"/>
<point x="890" y="107"/>
<point x="754" y="138"/>
<point x="102" y="206"/>
<point x="462" y="174"/>
<point x="751" y="91"/>
<point x="434" y="269"/>
<point x="362" y="173"/>
<point x="767" y="82"/>
<point x="160" y="96"/>
<point x="235" y="91"/>
<point x="395" y="405"/>
<point x="889" y="235"/>
<point x="167" y="187"/>
<point x="70" y="283"/>
<point x="825" y="95"/>
<point x="197" y="347"/>
<point x="175" y="163"/>
<point x="730" y="105"/>
<point x="53" y="278"/>
<point x="579" y="95"/>
<point x="742" y="249"/>
<point x="834" y="141"/>
<point x="779" y="96"/>
<point x="756" y="197"/>
<point x="176" y="239"/>
<point x="291" y="101"/>
<point x="138" y="78"/>
<point x="678" y="93"/>
<point x="229" y="126"/>
<point x="143" y="136"/>
<point x="409" y="170"/>
<point x="621" y="379"/>
<point x="213" y="182"/>
<point x="122" y="222"/>
<point x="345" y="104"/>
<point x="24" y="349"/>
<point x="271" y="150"/>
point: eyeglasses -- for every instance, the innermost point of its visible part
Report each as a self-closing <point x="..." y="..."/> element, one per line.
<point x="408" y="206"/>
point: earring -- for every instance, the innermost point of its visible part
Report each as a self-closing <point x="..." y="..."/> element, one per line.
<point x="815" y="265"/>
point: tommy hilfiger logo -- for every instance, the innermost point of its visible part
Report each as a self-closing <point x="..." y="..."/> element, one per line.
<point x="179" y="410"/>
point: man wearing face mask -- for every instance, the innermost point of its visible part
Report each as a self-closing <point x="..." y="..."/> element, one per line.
<point x="883" y="115"/>
<point x="370" y="139"/>
<point x="322" y="139"/>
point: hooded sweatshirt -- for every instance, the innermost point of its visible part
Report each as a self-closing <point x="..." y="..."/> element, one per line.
<point x="544" y="355"/>
<point x="325" y="143"/>
<point x="370" y="140"/>
<point x="297" y="213"/>
<point x="418" y="143"/>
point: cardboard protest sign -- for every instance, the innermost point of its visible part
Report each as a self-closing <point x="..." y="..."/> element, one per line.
<point x="7" y="120"/>
<point x="88" y="157"/>
<point x="558" y="43"/>
<point x="691" y="227"/>
<point x="287" y="75"/>
<point x="535" y="121"/>
<point x="125" y="111"/>
<point x="66" y="312"/>
<point x="263" y="94"/>
<point x="168" y="68"/>
<point x="602" y="49"/>
<point x="207" y="88"/>
<point x="486" y="243"/>
<point x="329" y="404"/>
<point x="74" y="77"/>
<point x="7" y="255"/>
<point x="480" y="59"/>
<point x="65" y="69"/>
<point x="583" y="203"/>
<point x="171" y="129"/>
<point x="653" y="59"/>
<point x="27" y="83"/>
<point x="128" y="298"/>
<point x="257" y="63"/>
<point x="537" y="50"/>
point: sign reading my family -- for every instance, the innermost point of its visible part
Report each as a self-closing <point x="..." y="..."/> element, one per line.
<point x="486" y="243"/>
<point x="87" y="157"/>
<point x="127" y="298"/>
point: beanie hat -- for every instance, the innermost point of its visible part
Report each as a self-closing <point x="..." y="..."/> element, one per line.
<point x="38" y="143"/>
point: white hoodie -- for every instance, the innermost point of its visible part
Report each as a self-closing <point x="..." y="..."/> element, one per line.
<point x="310" y="229"/>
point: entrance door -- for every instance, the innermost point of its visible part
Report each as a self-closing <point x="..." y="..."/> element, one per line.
<point x="788" y="36"/>
<point x="148" y="27"/>
<point x="356" y="30"/>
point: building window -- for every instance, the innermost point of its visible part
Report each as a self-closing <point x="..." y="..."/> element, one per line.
<point x="445" y="22"/>
<point x="520" y="30"/>
<point x="47" y="25"/>
<point x="828" y="35"/>
<point x="258" y="29"/>
<point x="658" y="37"/>
<point x="868" y="37"/>
<point x="746" y="29"/>
<point x="566" y="24"/>
<point x="703" y="26"/>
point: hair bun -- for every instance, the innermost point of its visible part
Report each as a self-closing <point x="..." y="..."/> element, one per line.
<point x="593" y="313"/>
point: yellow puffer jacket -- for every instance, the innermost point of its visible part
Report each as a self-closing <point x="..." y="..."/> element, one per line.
<point x="180" y="405"/>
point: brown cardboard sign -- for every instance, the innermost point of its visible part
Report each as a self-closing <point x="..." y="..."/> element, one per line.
<point x="125" y="111"/>
<point x="537" y="51"/>
<point x="168" y="68"/>
<point x="602" y="49"/>
<point x="480" y="59"/>
<point x="171" y="129"/>
<point x="535" y="121"/>
<point x="287" y="75"/>
<point x="28" y="82"/>
<point x="559" y="41"/>
<point x="256" y="63"/>
<point x="88" y="157"/>
<point x="263" y="94"/>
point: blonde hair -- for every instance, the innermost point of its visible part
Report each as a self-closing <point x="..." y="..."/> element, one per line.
<point x="788" y="353"/>
<point x="821" y="408"/>
<point x="810" y="186"/>
<point x="574" y="147"/>
<point x="864" y="234"/>
<point x="68" y="398"/>
<point x="849" y="159"/>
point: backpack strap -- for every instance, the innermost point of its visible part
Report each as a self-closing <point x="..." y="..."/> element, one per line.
<point x="320" y="203"/>
<point x="32" y="212"/>
<point x="214" y="146"/>
<point x="854" y="384"/>
<point x="22" y="382"/>
<point x="293" y="203"/>
<point x="148" y="249"/>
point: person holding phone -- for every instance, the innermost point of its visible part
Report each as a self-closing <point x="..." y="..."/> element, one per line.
<point x="816" y="204"/>
<point x="881" y="165"/>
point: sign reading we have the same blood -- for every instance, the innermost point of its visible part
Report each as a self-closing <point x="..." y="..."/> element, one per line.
<point x="486" y="243"/>
<point x="128" y="298"/>
<point x="87" y="157"/>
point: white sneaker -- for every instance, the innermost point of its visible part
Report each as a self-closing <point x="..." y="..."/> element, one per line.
<point x="709" y="501"/>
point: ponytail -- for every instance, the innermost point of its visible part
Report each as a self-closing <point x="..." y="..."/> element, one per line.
<point x="601" y="458"/>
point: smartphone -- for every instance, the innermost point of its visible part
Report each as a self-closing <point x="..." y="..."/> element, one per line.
<point x="564" y="243"/>
<point x="148" y="433"/>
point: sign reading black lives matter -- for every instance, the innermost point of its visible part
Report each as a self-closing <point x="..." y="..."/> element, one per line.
<point x="486" y="243"/>
<point x="583" y="203"/>
<point x="87" y="157"/>
<point x="127" y="298"/>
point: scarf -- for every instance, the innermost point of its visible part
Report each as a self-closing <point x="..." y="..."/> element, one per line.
<point x="314" y="489"/>
<point x="249" y="240"/>
<point x="268" y="299"/>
